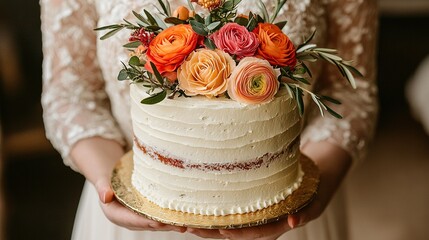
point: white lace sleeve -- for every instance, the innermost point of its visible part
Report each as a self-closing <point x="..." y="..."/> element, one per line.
<point x="352" y="28"/>
<point x="74" y="101"/>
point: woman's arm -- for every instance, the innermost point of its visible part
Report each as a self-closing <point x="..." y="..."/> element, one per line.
<point x="95" y="158"/>
<point x="77" y="114"/>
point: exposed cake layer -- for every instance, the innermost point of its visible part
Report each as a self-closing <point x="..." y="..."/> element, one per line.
<point x="223" y="192"/>
<point x="215" y="156"/>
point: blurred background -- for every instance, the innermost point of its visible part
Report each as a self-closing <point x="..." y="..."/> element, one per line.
<point x="39" y="195"/>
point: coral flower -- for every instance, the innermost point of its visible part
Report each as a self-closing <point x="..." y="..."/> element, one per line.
<point x="275" y="46"/>
<point x="182" y="13"/>
<point x="253" y="81"/>
<point x="205" y="72"/>
<point x="170" y="48"/>
<point x="236" y="40"/>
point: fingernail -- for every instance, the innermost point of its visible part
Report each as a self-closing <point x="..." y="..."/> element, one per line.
<point x="294" y="221"/>
<point x="102" y="197"/>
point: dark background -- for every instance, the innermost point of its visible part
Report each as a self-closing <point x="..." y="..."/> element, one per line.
<point x="40" y="194"/>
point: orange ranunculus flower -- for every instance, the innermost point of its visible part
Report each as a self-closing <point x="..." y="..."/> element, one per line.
<point x="275" y="46"/>
<point x="205" y="72"/>
<point x="253" y="81"/>
<point x="170" y="48"/>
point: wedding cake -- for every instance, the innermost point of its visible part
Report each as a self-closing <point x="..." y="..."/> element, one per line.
<point x="215" y="156"/>
<point x="216" y="106"/>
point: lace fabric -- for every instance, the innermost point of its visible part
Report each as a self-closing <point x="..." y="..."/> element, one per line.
<point x="82" y="98"/>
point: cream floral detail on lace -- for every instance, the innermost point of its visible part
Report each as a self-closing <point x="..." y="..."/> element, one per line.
<point x="352" y="25"/>
<point x="80" y="71"/>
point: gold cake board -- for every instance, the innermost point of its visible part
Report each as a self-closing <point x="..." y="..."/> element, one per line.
<point x="129" y="196"/>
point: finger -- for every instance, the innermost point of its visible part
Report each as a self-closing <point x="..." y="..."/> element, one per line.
<point x="123" y="217"/>
<point x="206" y="233"/>
<point x="267" y="231"/>
<point x="305" y="215"/>
<point x="105" y="192"/>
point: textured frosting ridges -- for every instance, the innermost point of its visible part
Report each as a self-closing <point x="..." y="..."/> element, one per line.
<point x="215" y="156"/>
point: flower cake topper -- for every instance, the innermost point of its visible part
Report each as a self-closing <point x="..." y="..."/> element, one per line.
<point x="247" y="58"/>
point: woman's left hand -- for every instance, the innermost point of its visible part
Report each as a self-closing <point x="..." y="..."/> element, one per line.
<point x="333" y="163"/>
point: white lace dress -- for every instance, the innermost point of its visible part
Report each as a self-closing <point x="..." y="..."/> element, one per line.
<point x="82" y="98"/>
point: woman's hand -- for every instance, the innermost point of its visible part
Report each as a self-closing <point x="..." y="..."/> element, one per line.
<point x="95" y="158"/>
<point x="333" y="163"/>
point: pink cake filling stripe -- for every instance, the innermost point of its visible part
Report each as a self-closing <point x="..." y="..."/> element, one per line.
<point x="264" y="160"/>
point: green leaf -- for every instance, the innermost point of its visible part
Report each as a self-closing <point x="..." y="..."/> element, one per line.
<point x="134" y="44"/>
<point x="329" y="99"/>
<point x="208" y="20"/>
<point x="157" y="74"/>
<point x="241" y="21"/>
<point x="199" y="19"/>
<point x="111" y="33"/>
<point x="354" y="70"/>
<point x="114" y="26"/>
<point x="236" y="2"/>
<point x="281" y="25"/>
<point x="252" y="22"/>
<point x="140" y="17"/>
<point x="213" y="26"/>
<point x="306" y="69"/>
<point x="307" y="40"/>
<point x="350" y="77"/>
<point x="318" y="103"/>
<point x="151" y="19"/>
<point x="209" y="43"/>
<point x="160" y="22"/>
<point x="123" y="75"/>
<point x="134" y="61"/>
<point x="228" y="5"/>
<point x="174" y="20"/>
<point x="153" y="28"/>
<point x="164" y="8"/>
<point x="264" y="11"/>
<point x="333" y="113"/>
<point x="299" y="100"/>
<point x="289" y="90"/>
<point x="199" y="28"/>
<point x="155" y="98"/>
<point x="303" y="80"/>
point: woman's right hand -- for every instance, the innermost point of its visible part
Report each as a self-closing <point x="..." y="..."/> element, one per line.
<point x="95" y="158"/>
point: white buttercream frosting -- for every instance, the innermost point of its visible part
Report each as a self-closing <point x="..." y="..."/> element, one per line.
<point x="215" y="156"/>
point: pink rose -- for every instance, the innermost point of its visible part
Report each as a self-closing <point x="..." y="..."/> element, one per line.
<point x="253" y="81"/>
<point x="236" y="40"/>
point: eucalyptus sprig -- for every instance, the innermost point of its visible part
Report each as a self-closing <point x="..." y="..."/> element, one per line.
<point x="312" y="53"/>
<point x="307" y="52"/>
<point x="149" y="22"/>
<point x="158" y="86"/>
<point x="297" y="92"/>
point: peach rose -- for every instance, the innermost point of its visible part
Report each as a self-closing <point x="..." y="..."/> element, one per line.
<point x="253" y="81"/>
<point x="205" y="72"/>
<point x="275" y="46"/>
<point x="170" y="48"/>
<point x="236" y="40"/>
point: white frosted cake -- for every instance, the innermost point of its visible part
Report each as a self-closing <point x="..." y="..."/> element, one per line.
<point x="215" y="156"/>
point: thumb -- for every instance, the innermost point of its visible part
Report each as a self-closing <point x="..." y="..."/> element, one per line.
<point x="105" y="192"/>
